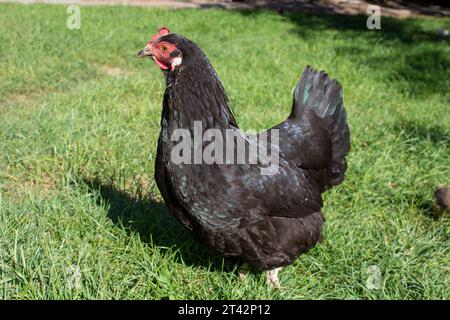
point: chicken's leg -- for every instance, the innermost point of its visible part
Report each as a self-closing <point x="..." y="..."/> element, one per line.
<point x="272" y="278"/>
<point x="243" y="271"/>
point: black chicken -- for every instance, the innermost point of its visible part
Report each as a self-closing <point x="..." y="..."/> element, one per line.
<point x="266" y="220"/>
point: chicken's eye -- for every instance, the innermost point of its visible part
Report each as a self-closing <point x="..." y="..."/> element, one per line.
<point x="164" y="48"/>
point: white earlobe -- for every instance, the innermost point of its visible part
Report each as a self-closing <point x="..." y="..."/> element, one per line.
<point x="176" y="62"/>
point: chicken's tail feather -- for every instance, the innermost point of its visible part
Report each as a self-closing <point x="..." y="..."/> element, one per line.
<point x="316" y="91"/>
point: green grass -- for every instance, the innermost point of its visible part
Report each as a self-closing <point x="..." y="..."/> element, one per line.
<point x="79" y="121"/>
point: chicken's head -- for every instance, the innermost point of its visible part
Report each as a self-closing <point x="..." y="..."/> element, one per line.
<point x="165" y="53"/>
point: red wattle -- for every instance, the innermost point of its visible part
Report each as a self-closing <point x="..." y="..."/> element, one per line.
<point x="160" y="64"/>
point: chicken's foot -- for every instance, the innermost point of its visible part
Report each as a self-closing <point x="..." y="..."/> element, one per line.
<point x="243" y="271"/>
<point x="272" y="278"/>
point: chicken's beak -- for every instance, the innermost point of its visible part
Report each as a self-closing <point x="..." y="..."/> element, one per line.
<point x="146" y="52"/>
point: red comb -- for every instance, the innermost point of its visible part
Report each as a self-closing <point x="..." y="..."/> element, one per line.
<point x="161" y="32"/>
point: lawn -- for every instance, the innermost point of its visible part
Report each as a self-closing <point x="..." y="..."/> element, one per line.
<point x="81" y="216"/>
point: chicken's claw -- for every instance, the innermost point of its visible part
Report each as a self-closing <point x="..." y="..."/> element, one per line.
<point x="272" y="278"/>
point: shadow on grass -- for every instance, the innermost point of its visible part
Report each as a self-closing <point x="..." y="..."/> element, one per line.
<point x="411" y="58"/>
<point x="427" y="207"/>
<point x="414" y="60"/>
<point x="436" y="8"/>
<point x="155" y="225"/>
<point x="414" y="132"/>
